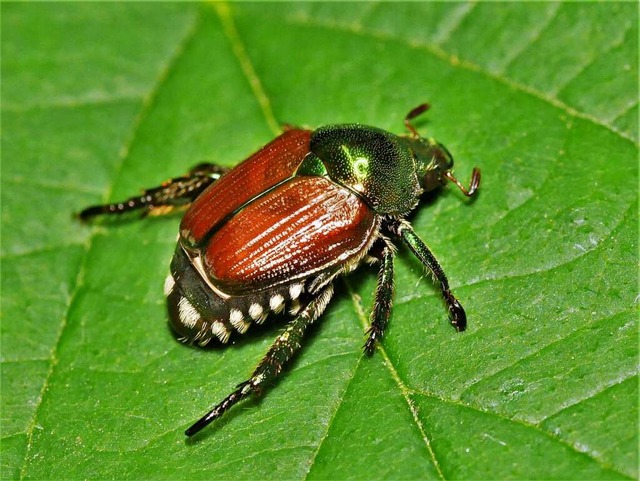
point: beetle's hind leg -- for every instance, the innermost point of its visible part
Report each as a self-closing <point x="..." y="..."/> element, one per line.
<point x="287" y="343"/>
<point x="176" y="192"/>
<point x="383" y="250"/>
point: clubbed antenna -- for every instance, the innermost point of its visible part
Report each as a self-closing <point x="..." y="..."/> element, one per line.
<point x="473" y="184"/>
<point x="420" y="109"/>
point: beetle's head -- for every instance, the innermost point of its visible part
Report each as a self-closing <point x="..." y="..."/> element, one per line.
<point x="433" y="160"/>
<point x="434" y="163"/>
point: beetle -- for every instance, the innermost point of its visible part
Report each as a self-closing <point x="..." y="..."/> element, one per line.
<point x="274" y="232"/>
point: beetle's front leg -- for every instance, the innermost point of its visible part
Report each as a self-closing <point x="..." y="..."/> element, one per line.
<point x="384" y="294"/>
<point x="270" y="367"/>
<point x="176" y="192"/>
<point x="403" y="229"/>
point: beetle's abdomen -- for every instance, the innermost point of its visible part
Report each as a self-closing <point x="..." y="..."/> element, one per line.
<point x="198" y="313"/>
<point x="305" y="226"/>
<point x="272" y="164"/>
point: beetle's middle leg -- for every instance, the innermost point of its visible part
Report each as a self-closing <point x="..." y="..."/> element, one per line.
<point x="287" y="343"/>
<point x="176" y="192"/>
<point x="383" y="250"/>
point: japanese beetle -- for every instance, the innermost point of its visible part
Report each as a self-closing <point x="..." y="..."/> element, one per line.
<point x="275" y="231"/>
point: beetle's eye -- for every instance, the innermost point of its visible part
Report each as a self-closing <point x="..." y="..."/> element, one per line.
<point x="433" y="179"/>
<point x="442" y="158"/>
<point x="436" y="161"/>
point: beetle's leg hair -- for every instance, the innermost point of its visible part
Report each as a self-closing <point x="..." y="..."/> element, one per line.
<point x="384" y="294"/>
<point x="287" y="343"/>
<point x="403" y="229"/>
<point x="176" y="192"/>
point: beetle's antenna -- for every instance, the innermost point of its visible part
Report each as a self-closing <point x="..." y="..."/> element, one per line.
<point x="473" y="184"/>
<point x="420" y="109"/>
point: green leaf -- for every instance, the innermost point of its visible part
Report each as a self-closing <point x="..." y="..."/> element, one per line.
<point x="102" y="99"/>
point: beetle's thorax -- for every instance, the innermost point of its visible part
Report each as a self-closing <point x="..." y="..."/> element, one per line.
<point x="370" y="162"/>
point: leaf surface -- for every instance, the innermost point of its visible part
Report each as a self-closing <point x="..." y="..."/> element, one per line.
<point x="100" y="100"/>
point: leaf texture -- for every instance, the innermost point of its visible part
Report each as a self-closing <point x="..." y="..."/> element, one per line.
<point x="100" y="100"/>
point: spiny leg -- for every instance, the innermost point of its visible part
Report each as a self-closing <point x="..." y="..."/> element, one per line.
<point x="384" y="296"/>
<point x="175" y="192"/>
<point x="403" y="229"/>
<point x="280" y="352"/>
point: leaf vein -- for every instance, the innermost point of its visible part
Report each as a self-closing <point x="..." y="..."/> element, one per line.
<point x="528" y="425"/>
<point x="81" y="271"/>
<point x="456" y="18"/>
<point x="70" y="103"/>
<point x="237" y="45"/>
<point x="537" y="34"/>
<point x="454" y="61"/>
<point x="325" y="435"/>
<point x="404" y="390"/>
<point x="559" y="89"/>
